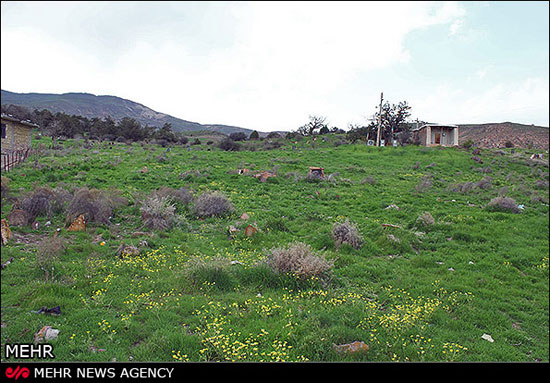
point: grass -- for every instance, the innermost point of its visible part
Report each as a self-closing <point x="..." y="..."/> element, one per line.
<point x="428" y="296"/>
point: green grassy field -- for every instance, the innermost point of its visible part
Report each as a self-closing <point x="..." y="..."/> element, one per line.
<point x="412" y="292"/>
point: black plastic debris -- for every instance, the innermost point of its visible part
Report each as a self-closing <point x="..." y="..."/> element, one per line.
<point x="44" y="310"/>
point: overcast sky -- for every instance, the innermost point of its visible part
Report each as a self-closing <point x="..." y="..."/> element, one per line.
<point x="268" y="66"/>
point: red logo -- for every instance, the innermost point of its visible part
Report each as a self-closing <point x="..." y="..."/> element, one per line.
<point x="15" y="374"/>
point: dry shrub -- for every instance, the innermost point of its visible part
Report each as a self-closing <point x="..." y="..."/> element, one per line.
<point x="296" y="176"/>
<point x="213" y="204"/>
<point x="158" y="213"/>
<point x="368" y="180"/>
<point x="299" y="259"/>
<point x="503" y="204"/>
<point x="4" y="187"/>
<point x="347" y="232"/>
<point x="425" y="219"/>
<point x="424" y="184"/>
<point x="45" y="202"/>
<point x="96" y="205"/>
<point x="484" y="183"/>
<point x="49" y="251"/>
<point x="182" y="195"/>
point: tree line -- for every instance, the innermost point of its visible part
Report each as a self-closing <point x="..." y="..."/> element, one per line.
<point x="60" y="124"/>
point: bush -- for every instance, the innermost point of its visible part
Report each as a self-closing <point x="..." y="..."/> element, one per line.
<point x="238" y="136"/>
<point x="505" y="204"/>
<point x="45" y="202"/>
<point x="424" y="184"/>
<point x="158" y="213"/>
<point x="48" y="251"/>
<point x="425" y="219"/>
<point x="300" y="260"/>
<point x="213" y="204"/>
<point x="347" y="232"/>
<point x="5" y="187"/>
<point x="467" y="144"/>
<point x="182" y="195"/>
<point x="96" y="205"/>
<point x="229" y="145"/>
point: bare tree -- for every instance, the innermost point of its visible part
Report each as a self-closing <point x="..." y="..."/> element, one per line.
<point x="315" y="123"/>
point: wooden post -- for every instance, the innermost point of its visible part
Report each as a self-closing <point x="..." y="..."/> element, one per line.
<point x="379" y="120"/>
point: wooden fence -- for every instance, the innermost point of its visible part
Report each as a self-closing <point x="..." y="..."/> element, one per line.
<point x="9" y="160"/>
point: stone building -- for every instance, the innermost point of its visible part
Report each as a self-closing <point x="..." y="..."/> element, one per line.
<point x="16" y="134"/>
<point x="435" y="134"/>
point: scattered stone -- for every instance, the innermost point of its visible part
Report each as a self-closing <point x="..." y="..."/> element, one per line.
<point x="470" y="263"/>
<point x="487" y="337"/>
<point x="7" y="263"/>
<point x="440" y="263"/>
<point x="393" y="238"/>
<point x="127" y="251"/>
<point x="46" y="333"/>
<point x="263" y="176"/>
<point x="451" y="269"/>
<point x="35" y="225"/>
<point x="250" y="231"/>
<point x="425" y="219"/>
<point x="351" y="348"/>
<point x="236" y="263"/>
<point x="79" y="224"/>
<point x="245" y="216"/>
<point x="144" y="170"/>
<point x="48" y="223"/>
<point x="392" y="206"/>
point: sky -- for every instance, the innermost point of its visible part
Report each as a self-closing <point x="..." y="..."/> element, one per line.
<point x="270" y="65"/>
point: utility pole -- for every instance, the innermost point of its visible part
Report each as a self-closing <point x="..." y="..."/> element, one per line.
<point x="379" y="120"/>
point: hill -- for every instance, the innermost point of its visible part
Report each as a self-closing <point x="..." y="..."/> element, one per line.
<point x="495" y="135"/>
<point x="89" y="105"/>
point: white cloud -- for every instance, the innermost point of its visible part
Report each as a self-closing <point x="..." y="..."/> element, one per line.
<point x="261" y="65"/>
<point x="519" y="101"/>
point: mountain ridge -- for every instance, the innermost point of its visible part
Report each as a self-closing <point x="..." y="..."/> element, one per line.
<point x="90" y="105"/>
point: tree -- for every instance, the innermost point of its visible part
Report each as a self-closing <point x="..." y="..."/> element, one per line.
<point x="254" y="135"/>
<point x="393" y="118"/>
<point x="238" y="136"/>
<point x="361" y="132"/>
<point x="315" y="123"/>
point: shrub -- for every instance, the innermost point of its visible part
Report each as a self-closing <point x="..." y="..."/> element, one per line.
<point x="505" y="204"/>
<point x="182" y="195"/>
<point x="347" y="232"/>
<point x="509" y="144"/>
<point x="44" y="201"/>
<point x="425" y="219"/>
<point x="213" y="204"/>
<point x="158" y="213"/>
<point x="48" y="251"/>
<point x="467" y="144"/>
<point x="4" y="187"/>
<point x="96" y="205"/>
<point x="424" y="184"/>
<point x="300" y="260"/>
<point x="238" y="136"/>
<point x="229" y="145"/>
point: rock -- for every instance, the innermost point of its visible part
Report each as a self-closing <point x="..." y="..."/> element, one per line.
<point x="232" y="229"/>
<point x="392" y="206"/>
<point x="6" y="232"/>
<point x="245" y="216"/>
<point x="393" y="238"/>
<point x="351" y="348"/>
<point x="79" y="224"/>
<point x="46" y="333"/>
<point x="250" y="231"/>
<point x="488" y="338"/>
<point x="35" y="225"/>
